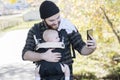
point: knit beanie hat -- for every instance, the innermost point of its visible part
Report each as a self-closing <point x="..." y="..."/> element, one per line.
<point x="48" y="9"/>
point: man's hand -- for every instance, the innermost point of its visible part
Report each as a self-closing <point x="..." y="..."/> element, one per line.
<point x="91" y="43"/>
<point x="89" y="47"/>
<point x="51" y="56"/>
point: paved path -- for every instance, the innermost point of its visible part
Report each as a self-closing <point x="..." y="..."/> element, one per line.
<point x="12" y="67"/>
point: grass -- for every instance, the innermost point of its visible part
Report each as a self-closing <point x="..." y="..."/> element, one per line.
<point x="23" y="25"/>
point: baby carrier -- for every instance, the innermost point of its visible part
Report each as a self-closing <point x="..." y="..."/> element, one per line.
<point x="57" y="75"/>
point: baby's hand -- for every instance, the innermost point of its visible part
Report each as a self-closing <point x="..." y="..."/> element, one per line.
<point x="65" y="70"/>
<point x="62" y="67"/>
<point x="37" y="71"/>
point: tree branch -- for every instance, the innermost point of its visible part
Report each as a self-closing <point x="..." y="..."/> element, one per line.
<point x="111" y="24"/>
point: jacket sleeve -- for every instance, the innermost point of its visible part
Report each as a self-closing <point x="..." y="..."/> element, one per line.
<point x="30" y="42"/>
<point x="76" y="41"/>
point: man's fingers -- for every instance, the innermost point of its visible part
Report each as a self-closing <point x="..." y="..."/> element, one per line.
<point x="57" y="59"/>
<point x="52" y="56"/>
<point x="50" y="50"/>
<point x="91" y="44"/>
<point x="57" y="55"/>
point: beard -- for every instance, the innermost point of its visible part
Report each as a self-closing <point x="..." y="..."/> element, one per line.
<point x="53" y="26"/>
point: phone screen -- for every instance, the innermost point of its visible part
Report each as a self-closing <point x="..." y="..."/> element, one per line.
<point x="89" y="33"/>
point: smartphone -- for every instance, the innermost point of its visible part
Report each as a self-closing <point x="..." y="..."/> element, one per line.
<point x="89" y="33"/>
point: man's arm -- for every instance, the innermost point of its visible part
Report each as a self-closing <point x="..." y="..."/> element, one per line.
<point x="47" y="56"/>
<point x="89" y="47"/>
<point x="82" y="47"/>
<point x="29" y="53"/>
<point x="32" y="56"/>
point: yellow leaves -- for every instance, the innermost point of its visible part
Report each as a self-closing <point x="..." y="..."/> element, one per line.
<point x="13" y="1"/>
<point x="86" y="14"/>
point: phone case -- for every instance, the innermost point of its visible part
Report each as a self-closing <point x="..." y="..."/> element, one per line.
<point x="89" y="33"/>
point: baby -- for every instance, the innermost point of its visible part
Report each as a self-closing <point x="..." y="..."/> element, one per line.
<point x="52" y="68"/>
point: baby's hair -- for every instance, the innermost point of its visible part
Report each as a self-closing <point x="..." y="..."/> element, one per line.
<point x="48" y="34"/>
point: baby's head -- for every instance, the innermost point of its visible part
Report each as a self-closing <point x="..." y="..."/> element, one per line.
<point x="51" y="35"/>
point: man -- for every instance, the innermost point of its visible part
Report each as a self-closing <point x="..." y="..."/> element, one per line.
<point x="50" y="15"/>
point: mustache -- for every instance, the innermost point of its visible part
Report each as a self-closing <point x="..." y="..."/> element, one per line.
<point x="53" y="24"/>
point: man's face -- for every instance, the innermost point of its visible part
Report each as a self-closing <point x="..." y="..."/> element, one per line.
<point x="53" y="21"/>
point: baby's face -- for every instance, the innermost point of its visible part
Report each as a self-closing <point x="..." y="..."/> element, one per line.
<point x="54" y="38"/>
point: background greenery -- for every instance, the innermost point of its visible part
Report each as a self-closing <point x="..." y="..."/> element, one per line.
<point x="86" y="14"/>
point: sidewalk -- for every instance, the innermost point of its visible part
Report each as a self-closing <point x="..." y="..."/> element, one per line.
<point x="12" y="67"/>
